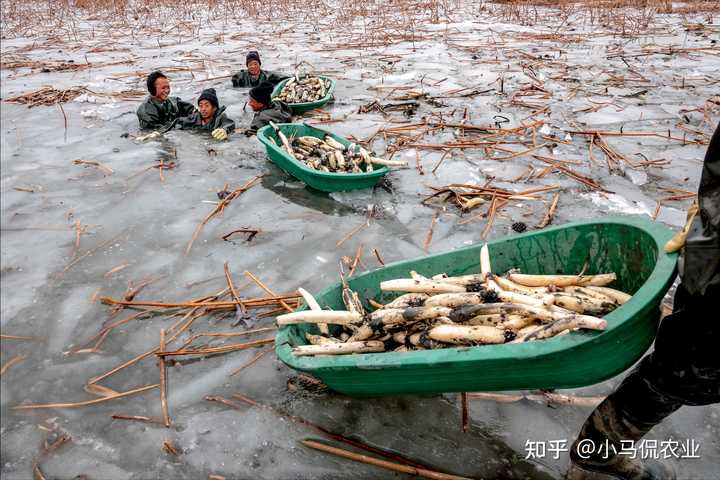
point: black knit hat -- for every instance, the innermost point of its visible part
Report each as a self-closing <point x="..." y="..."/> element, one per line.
<point x="252" y="55"/>
<point x="262" y="92"/>
<point x="151" y="81"/>
<point x="209" y="95"/>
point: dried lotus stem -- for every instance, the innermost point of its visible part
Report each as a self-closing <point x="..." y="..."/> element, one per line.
<point x="485" y="267"/>
<point x="417" y="286"/>
<point x="585" y="292"/>
<point x="585" y="305"/>
<point x="510" y="286"/>
<point x="617" y="295"/>
<point x="313" y="305"/>
<point x="336" y="317"/>
<point x="558" y="326"/>
<point x="387" y="163"/>
<point x="462" y="334"/>
<point x="563" y="280"/>
<point x="320" y="340"/>
<point x="408" y="300"/>
<point x="454" y="300"/>
<point x="340" y="348"/>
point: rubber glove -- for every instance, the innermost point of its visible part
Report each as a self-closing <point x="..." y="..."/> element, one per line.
<point x="149" y="136"/>
<point x="678" y="241"/>
<point x="219" y="134"/>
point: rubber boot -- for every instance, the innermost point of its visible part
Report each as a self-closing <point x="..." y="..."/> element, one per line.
<point x="604" y="430"/>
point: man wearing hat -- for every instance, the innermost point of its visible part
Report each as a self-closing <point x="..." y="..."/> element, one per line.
<point x="210" y="117"/>
<point x="159" y="111"/>
<point x="266" y="110"/>
<point x="254" y="75"/>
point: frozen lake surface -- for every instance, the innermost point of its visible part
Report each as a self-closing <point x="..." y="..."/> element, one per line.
<point x="475" y="67"/>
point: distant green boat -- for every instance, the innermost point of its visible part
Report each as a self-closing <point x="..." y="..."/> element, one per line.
<point x="632" y="247"/>
<point x="303" y="107"/>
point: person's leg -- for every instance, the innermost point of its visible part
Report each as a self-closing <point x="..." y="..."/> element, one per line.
<point x="682" y="370"/>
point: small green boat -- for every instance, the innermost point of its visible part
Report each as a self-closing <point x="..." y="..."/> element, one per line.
<point x="632" y="247"/>
<point x="323" y="181"/>
<point x="299" y="108"/>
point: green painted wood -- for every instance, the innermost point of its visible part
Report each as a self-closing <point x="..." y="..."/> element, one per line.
<point x="629" y="246"/>
<point x="323" y="181"/>
<point x="303" y="107"/>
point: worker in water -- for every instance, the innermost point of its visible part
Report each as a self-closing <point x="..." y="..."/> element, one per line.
<point x="209" y="117"/>
<point x="255" y="75"/>
<point x="266" y="110"/>
<point x="159" y="111"/>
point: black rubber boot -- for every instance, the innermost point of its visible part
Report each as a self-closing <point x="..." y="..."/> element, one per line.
<point x="605" y="430"/>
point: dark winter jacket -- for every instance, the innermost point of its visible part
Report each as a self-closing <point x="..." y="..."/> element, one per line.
<point x="700" y="262"/>
<point x="244" y="79"/>
<point x="156" y="115"/>
<point x="277" y="112"/>
<point x="219" y="120"/>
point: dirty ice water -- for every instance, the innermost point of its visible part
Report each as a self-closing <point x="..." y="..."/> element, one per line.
<point x="475" y="66"/>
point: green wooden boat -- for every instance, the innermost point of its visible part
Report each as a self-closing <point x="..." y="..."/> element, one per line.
<point x="629" y="246"/>
<point x="303" y="107"/>
<point x="323" y="181"/>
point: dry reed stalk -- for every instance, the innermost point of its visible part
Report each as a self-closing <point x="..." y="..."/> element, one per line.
<point x="116" y="269"/>
<point x="37" y="472"/>
<point x="465" y="412"/>
<point x="595" y="133"/>
<point x="103" y="333"/>
<point x="572" y="174"/>
<point x="352" y="232"/>
<point x="428" y="237"/>
<point x="550" y="213"/>
<point x="395" y="467"/>
<point x="163" y="380"/>
<point x="62" y="439"/>
<point x="87" y="402"/>
<point x="250" y="231"/>
<point x="437" y="165"/>
<point x="268" y="291"/>
<point x="251" y="362"/>
<point x="11" y="362"/>
<point x="217" y="350"/>
<point x="168" y="448"/>
<point x="46" y="96"/>
<point x="220" y="208"/>
<point x="137" y="418"/>
<point x="250" y="302"/>
<point x="377" y="255"/>
<point x="191" y="316"/>
<point x="99" y="390"/>
<point x="91" y="251"/>
<point x="240" y="309"/>
<point x="18" y="337"/>
<point x="93" y="163"/>
<point x="495" y="205"/>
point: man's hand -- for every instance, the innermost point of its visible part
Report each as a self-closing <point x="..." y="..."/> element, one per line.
<point x="678" y="241"/>
<point x="149" y="136"/>
<point x="219" y="134"/>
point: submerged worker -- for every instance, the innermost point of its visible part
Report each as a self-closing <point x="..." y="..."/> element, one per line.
<point x="254" y="75"/>
<point x="684" y="368"/>
<point x="209" y="117"/>
<point x="266" y="110"/>
<point x="159" y="111"/>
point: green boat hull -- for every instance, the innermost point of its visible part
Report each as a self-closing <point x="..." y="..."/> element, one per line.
<point x="629" y="246"/>
<point x="323" y="181"/>
<point x="298" y="108"/>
